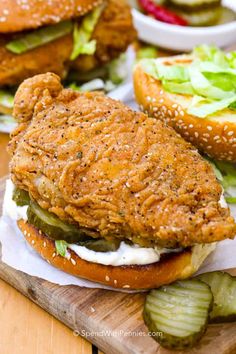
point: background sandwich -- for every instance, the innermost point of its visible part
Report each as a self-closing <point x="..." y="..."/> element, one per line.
<point x="65" y="37"/>
<point x="196" y="95"/>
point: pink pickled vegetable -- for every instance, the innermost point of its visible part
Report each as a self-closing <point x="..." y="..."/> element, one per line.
<point x="161" y="13"/>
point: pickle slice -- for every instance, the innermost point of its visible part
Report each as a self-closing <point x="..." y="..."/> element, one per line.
<point x="56" y="229"/>
<point x="223" y="287"/>
<point x="177" y="314"/>
<point x="21" y="197"/>
<point x="53" y="227"/>
<point x="101" y="245"/>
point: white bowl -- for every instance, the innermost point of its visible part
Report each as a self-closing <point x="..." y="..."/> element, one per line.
<point x="181" y="38"/>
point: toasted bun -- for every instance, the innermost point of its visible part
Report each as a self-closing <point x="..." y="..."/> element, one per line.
<point x="172" y="267"/>
<point x="215" y="135"/>
<point x="22" y="15"/>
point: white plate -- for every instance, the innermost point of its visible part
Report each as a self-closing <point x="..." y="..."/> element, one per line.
<point x="180" y="38"/>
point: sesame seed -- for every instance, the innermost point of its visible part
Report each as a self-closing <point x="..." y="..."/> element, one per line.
<point x="161" y="100"/>
<point x="196" y="134"/>
<point x="126" y="286"/>
<point x="73" y="261"/>
<point x="209" y="127"/>
<point x="44" y="244"/>
<point x="92" y="309"/>
<point x="190" y="126"/>
<point x="115" y="282"/>
<point x="107" y="278"/>
<point x="225" y="127"/>
<point x="230" y="133"/>
<point x="33" y="242"/>
<point x="54" y="255"/>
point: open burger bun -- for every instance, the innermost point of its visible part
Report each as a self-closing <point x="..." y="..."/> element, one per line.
<point x="214" y="135"/>
<point x="172" y="267"/>
<point x="17" y="16"/>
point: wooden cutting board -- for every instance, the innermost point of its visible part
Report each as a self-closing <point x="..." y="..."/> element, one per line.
<point x="115" y="317"/>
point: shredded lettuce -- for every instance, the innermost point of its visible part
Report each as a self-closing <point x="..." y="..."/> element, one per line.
<point x="226" y="174"/>
<point x="7" y="119"/>
<point x="184" y="88"/>
<point x="93" y="85"/>
<point x="6" y="99"/>
<point x="147" y="52"/>
<point x="210" y="79"/>
<point x="61" y="247"/>
<point x="39" y="37"/>
<point x="117" y="70"/>
<point x="82" y="34"/>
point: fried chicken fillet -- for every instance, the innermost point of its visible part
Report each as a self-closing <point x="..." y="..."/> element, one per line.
<point x="94" y="162"/>
<point x="113" y="33"/>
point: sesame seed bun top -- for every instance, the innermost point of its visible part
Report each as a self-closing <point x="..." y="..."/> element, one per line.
<point x="19" y="15"/>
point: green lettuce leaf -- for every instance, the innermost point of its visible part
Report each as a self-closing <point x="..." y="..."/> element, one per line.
<point x="230" y="200"/>
<point x="147" y="52"/>
<point x="82" y="34"/>
<point x="6" y="99"/>
<point x="184" y="88"/>
<point x="61" y="247"/>
<point x="226" y="174"/>
<point x="201" y="107"/>
<point x="39" y="37"/>
<point x="93" y="85"/>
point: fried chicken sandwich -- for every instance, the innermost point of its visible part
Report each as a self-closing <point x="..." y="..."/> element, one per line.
<point x="108" y="194"/>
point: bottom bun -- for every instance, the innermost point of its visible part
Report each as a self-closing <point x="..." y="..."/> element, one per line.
<point x="171" y="267"/>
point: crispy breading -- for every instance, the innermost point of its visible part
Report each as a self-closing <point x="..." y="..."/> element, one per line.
<point x="50" y="57"/>
<point x="113" y="33"/>
<point x="92" y="160"/>
<point x="20" y="15"/>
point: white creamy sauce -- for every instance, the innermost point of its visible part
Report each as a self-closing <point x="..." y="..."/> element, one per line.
<point x="125" y="255"/>
<point x="10" y="208"/>
<point x="222" y="201"/>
